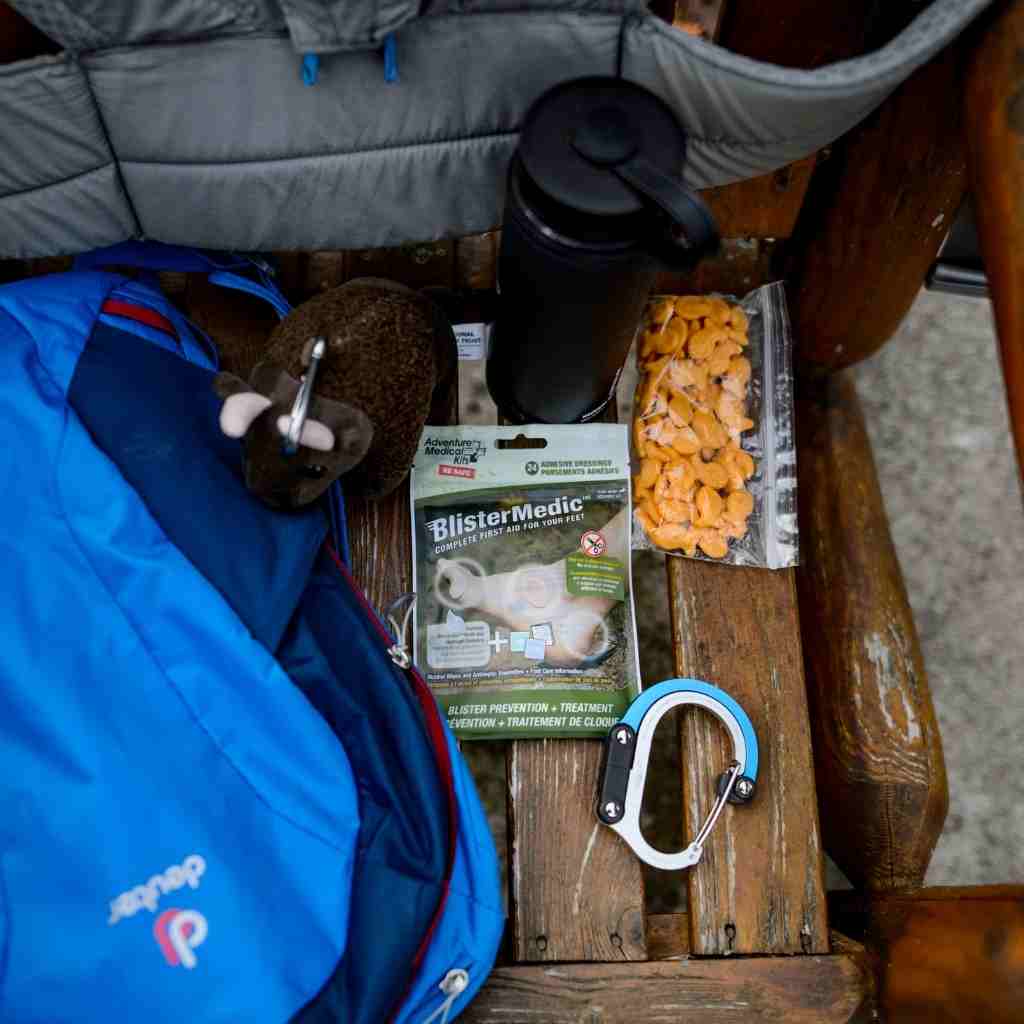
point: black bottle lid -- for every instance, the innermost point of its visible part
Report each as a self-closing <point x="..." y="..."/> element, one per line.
<point x="623" y="117"/>
<point x="607" y="155"/>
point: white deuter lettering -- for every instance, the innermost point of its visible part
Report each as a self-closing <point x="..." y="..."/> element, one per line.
<point x="148" y="895"/>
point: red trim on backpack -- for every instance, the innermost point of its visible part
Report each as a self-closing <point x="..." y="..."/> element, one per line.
<point x="439" y="742"/>
<point x="140" y="314"/>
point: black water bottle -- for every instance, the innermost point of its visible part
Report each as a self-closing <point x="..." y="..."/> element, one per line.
<point x="595" y="205"/>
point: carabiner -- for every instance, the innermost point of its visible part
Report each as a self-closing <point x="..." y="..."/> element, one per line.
<point x="628" y="748"/>
<point x="300" y="408"/>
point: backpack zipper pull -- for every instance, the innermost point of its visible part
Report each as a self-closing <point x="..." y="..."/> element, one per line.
<point x="453" y="984"/>
<point x="399" y="651"/>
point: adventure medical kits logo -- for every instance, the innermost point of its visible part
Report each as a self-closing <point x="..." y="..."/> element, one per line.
<point x="461" y="455"/>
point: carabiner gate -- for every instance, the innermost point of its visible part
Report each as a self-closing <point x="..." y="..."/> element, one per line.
<point x="300" y="408"/>
<point x="628" y="748"/>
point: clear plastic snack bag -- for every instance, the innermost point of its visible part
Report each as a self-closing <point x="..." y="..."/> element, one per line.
<point x="714" y="449"/>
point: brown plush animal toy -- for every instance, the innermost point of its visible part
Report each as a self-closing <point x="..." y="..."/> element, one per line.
<point x="388" y="351"/>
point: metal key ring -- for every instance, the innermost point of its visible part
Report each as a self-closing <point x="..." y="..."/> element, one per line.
<point x="628" y="748"/>
<point x="300" y="408"/>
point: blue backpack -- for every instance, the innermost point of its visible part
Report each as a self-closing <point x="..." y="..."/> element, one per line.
<point x="223" y="800"/>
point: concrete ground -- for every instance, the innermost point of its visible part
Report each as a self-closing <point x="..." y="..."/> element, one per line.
<point x="936" y="412"/>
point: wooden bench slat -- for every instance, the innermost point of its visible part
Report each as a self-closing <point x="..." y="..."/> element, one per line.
<point x="740" y="265"/>
<point x="576" y="888"/>
<point x="876" y="216"/>
<point x="994" y="126"/>
<point x="763" y="207"/>
<point x="797" y="990"/>
<point x="668" y="936"/>
<point x="759" y="887"/>
<point x="944" y="955"/>
<point x="878" y="754"/>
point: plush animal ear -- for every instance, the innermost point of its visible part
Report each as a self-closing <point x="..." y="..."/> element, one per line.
<point x="315" y="434"/>
<point x="239" y="411"/>
<point x="276" y="383"/>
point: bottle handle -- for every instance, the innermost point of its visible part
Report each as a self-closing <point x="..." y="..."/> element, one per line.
<point x="688" y="232"/>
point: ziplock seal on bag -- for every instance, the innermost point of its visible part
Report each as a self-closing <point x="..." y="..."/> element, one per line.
<point x="524" y="619"/>
<point x="703" y="438"/>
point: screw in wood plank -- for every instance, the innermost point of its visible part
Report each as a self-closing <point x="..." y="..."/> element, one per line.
<point x="730" y="936"/>
<point x="542" y="942"/>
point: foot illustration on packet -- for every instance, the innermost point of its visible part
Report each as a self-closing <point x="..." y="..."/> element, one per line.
<point x="544" y="622"/>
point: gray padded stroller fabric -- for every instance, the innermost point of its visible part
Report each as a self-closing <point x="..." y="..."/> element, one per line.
<point x="189" y="122"/>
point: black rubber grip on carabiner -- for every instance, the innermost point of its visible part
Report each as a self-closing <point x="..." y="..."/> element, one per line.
<point x="742" y="791"/>
<point x="619" y="749"/>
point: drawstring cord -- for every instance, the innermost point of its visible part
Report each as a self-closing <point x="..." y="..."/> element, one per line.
<point x="453" y="984"/>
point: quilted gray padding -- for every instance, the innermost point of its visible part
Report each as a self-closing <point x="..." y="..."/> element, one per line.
<point x="215" y="141"/>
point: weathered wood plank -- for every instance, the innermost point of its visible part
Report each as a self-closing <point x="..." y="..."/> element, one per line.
<point x="476" y="260"/>
<point x="321" y="271"/>
<point x="797" y="990"/>
<point x="762" y="207"/>
<point x="994" y="123"/>
<point x="945" y="956"/>
<point x="740" y="265"/>
<point x="379" y="537"/>
<point x="698" y="17"/>
<point x="430" y="263"/>
<point x="874" y="218"/>
<point x="798" y="33"/>
<point x="239" y="323"/>
<point x="576" y="888"/>
<point x="668" y="936"/>
<point x="759" y="887"/>
<point x="878" y="754"/>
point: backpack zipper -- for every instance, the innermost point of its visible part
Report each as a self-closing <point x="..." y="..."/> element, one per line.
<point x="436" y="735"/>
